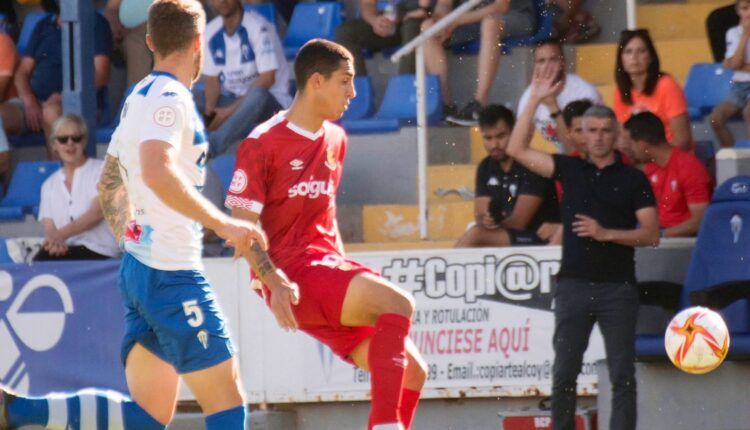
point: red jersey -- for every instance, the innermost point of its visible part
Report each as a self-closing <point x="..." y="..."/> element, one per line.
<point x="290" y="176"/>
<point x="682" y="181"/>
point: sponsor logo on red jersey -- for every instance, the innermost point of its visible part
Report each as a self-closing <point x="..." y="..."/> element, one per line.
<point x="312" y="189"/>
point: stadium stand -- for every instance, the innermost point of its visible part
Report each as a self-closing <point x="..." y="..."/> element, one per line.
<point x="267" y="10"/>
<point x="104" y="133"/>
<point x="25" y="187"/>
<point x="363" y="105"/>
<point x="223" y="166"/>
<point x="706" y="86"/>
<point x="309" y="21"/>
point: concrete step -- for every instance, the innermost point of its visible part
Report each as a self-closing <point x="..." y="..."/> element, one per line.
<point x="596" y="62"/>
<point x="399" y="246"/>
<point x="675" y="21"/>
<point x="608" y="93"/>
<point x="399" y="223"/>
<point x="449" y="177"/>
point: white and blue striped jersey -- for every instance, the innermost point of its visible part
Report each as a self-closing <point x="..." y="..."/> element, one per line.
<point x="161" y="108"/>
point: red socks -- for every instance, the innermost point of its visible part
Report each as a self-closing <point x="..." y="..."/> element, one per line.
<point x="387" y="358"/>
<point x="409" y="401"/>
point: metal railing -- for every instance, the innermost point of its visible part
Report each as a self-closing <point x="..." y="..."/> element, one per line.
<point x="416" y="44"/>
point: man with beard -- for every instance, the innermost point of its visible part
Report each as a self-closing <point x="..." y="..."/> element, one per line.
<point x="511" y="203"/>
<point x="148" y="193"/>
<point x="608" y="209"/>
<point x="38" y="79"/>
<point x="245" y="72"/>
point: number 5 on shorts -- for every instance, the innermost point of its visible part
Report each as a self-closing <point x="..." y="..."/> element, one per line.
<point x="193" y="312"/>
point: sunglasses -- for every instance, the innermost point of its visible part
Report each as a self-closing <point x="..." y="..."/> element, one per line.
<point x="63" y="140"/>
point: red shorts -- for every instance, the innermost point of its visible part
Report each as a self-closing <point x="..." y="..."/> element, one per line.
<point x="323" y="281"/>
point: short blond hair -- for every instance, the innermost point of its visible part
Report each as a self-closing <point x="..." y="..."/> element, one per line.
<point x="173" y="24"/>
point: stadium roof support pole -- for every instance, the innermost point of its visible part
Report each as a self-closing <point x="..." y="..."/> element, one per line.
<point x="630" y="11"/>
<point x="79" y="92"/>
<point x="417" y="44"/>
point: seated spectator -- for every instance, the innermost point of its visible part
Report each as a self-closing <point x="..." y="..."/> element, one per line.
<point x="642" y="86"/>
<point x="511" y="203"/>
<point x="489" y="22"/>
<point x="575" y="134"/>
<point x="246" y="74"/>
<point x="127" y="19"/>
<point x="680" y="181"/>
<point x="39" y="77"/>
<point x="376" y="30"/>
<point x="74" y="228"/>
<point x="573" y="23"/>
<point x="718" y="22"/>
<point x="548" y="116"/>
<point x="738" y="59"/>
<point x="8" y="64"/>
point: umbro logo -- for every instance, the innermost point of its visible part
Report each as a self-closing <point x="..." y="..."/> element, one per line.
<point x="297" y="164"/>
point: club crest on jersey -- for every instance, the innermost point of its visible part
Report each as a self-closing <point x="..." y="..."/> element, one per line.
<point x="239" y="181"/>
<point x="297" y="164"/>
<point x="165" y="116"/>
<point x="331" y="162"/>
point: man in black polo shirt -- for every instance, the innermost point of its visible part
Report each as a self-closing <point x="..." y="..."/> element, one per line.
<point x="608" y="208"/>
<point x="511" y="203"/>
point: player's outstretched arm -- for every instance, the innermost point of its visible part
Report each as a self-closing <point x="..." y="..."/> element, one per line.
<point x="160" y="174"/>
<point x="113" y="198"/>
<point x="284" y="293"/>
<point x="543" y="85"/>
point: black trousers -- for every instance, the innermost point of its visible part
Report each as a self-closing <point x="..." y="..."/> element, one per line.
<point x="74" y="253"/>
<point x="717" y="24"/>
<point x="578" y="305"/>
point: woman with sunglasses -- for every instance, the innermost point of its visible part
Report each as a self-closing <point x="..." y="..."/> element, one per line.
<point x="642" y="86"/>
<point x="74" y="228"/>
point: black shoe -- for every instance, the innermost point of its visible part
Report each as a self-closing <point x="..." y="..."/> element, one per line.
<point x="449" y="110"/>
<point x="468" y="116"/>
<point x="5" y="399"/>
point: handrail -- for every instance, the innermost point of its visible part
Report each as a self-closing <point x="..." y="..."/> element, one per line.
<point x="440" y="25"/>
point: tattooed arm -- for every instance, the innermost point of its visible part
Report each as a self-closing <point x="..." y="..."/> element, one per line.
<point x="113" y="197"/>
<point x="284" y="293"/>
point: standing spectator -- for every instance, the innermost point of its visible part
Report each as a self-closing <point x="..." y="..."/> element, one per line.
<point x="377" y="30"/>
<point x="718" y="22"/>
<point x="511" y="203"/>
<point x="490" y="21"/>
<point x="548" y="116"/>
<point x="680" y="181"/>
<point x="245" y="71"/>
<point x="74" y="227"/>
<point x="38" y="79"/>
<point x="738" y="59"/>
<point x="642" y="86"/>
<point x="607" y="210"/>
<point x="127" y="18"/>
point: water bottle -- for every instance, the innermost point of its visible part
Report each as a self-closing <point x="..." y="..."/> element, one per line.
<point x="390" y="12"/>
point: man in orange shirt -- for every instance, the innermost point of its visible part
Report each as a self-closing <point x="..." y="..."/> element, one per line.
<point x="679" y="179"/>
<point x="8" y="63"/>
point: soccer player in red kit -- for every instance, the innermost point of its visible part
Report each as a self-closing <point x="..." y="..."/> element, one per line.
<point x="287" y="174"/>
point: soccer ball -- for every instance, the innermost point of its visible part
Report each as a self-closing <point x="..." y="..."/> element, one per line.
<point x="697" y="340"/>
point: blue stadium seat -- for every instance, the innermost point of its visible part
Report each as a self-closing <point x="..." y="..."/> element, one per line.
<point x="720" y="264"/>
<point x="310" y="21"/>
<point x="223" y="166"/>
<point x="706" y="86"/>
<point x="266" y="10"/>
<point x="4" y="256"/>
<point x="742" y="144"/>
<point x="363" y="105"/>
<point x="104" y="133"/>
<point x="399" y="106"/>
<point x="25" y="188"/>
<point x="544" y="19"/>
<point x="29" y="22"/>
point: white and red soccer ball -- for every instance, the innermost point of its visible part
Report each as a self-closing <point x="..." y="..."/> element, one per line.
<point x="697" y="340"/>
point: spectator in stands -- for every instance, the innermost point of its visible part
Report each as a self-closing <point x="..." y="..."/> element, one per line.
<point x="127" y="19"/>
<point x="74" y="228"/>
<point x="377" y="30"/>
<point x="718" y="22"/>
<point x="680" y="181"/>
<point x="738" y="59"/>
<point x="245" y="73"/>
<point x="489" y="22"/>
<point x="608" y="209"/>
<point x="548" y="116"/>
<point x="572" y="136"/>
<point x="8" y="64"/>
<point x="38" y="79"/>
<point x="642" y="86"/>
<point x="511" y="203"/>
<point x="573" y="23"/>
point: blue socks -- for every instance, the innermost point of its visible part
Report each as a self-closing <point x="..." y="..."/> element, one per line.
<point x="88" y="409"/>
<point x="231" y="419"/>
